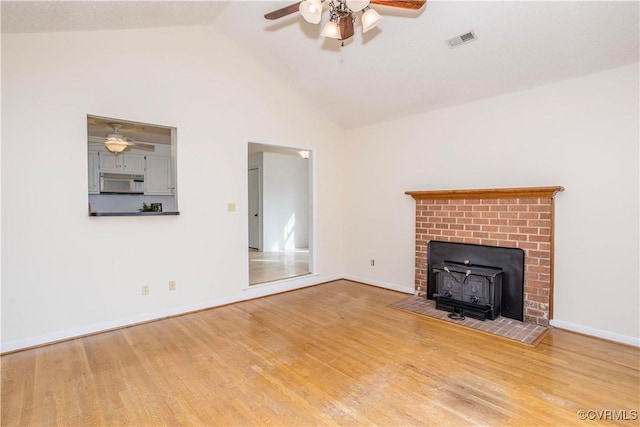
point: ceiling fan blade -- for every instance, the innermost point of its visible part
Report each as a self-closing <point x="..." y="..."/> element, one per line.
<point x="140" y="146"/>
<point x="284" y="11"/>
<point x="404" y="4"/>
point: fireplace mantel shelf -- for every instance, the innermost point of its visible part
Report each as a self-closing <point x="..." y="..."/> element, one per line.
<point x="488" y="193"/>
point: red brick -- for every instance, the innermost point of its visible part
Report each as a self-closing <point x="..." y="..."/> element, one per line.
<point x="539" y="298"/>
<point x="535" y="269"/>
<point x="540" y="208"/>
<point x="537" y="238"/>
<point x="508" y="229"/>
<point x="528" y="215"/>
<point x="489" y="242"/>
<point x="509" y="215"/>
<point x="491" y="215"/>
<point x="540" y="223"/>
<point x="545" y="232"/>
<point x="531" y="201"/>
<point x="539" y="254"/>
<point x="528" y="230"/>
<point x="482" y="208"/>
<point x="499" y="236"/>
<point x="480" y="234"/>
<point x="498" y="221"/>
<point x="528" y="245"/>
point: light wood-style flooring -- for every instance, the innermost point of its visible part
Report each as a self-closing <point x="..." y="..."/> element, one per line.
<point x="332" y="354"/>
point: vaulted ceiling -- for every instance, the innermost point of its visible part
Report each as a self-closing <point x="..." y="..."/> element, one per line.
<point x="401" y="67"/>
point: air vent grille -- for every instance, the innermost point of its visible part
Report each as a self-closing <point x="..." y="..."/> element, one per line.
<point x="463" y="38"/>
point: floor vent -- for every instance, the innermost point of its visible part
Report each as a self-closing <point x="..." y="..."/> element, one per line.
<point x="463" y="38"/>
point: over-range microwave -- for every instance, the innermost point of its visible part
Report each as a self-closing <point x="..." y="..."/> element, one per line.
<point x="121" y="183"/>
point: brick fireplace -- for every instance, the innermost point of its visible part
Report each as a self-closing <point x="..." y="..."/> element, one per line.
<point x="505" y="217"/>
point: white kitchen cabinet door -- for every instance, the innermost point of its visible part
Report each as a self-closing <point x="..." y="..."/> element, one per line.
<point x="94" y="172"/>
<point x="122" y="163"/>
<point x="134" y="163"/>
<point x="109" y="162"/>
<point x="158" y="177"/>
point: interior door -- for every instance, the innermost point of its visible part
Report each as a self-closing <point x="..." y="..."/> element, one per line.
<point x="254" y="208"/>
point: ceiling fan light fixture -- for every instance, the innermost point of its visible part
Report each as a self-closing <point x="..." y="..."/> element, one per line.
<point x="115" y="143"/>
<point x="331" y="30"/>
<point x="370" y="18"/>
<point x="311" y="10"/>
<point x="357" y="5"/>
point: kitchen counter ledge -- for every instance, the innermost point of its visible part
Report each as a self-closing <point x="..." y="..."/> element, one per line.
<point x="133" y="213"/>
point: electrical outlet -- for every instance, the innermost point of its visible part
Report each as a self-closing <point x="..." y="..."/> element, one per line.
<point x="145" y="289"/>
<point x="172" y="285"/>
<point x="373" y="263"/>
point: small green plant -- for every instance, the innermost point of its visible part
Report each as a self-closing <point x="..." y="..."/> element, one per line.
<point x="146" y="208"/>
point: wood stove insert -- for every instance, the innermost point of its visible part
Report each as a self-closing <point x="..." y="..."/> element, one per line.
<point x="468" y="290"/>
<point x="483" y="282"/>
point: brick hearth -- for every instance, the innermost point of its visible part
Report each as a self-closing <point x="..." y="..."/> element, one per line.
<point x="508" y="217"/>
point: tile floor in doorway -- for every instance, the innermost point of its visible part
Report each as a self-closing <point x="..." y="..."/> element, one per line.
<point x="271" y="266"/>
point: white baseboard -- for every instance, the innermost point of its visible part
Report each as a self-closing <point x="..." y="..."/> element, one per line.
<point x="595" y="332"/>
<point x="258" y="291"/>
<point x="407" y="289"/>
<point x="115" y="324"/>
<point x="270" y="288"/>
<point x="249" y="293"/>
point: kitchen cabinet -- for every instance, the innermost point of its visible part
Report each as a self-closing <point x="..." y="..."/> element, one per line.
<point x="122" y="163"/>
<point x="158" y="178"/>
<point x="94" y="172"/>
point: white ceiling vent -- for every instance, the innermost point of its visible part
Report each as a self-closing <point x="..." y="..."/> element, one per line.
<point x="461" y="39"/>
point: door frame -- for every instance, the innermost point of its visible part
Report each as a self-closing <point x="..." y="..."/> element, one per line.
<point x="313" y="229"/>
<point x="259" y="191"/>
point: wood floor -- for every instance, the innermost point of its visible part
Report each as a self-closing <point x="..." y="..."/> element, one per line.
<point x="333" y="354"/>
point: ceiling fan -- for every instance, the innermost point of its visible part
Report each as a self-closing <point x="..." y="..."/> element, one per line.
<point x="117" y="143"/>
<point x="342" y="14"/>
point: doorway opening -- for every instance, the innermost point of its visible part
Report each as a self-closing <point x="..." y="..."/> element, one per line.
<point x="279" y="213"/>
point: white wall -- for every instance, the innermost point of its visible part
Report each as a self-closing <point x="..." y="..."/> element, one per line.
<point x="581" y="134"/>
<point x="65" y="273"/>
<point x="59" y="275"/>
<point x="285" y="186"/>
